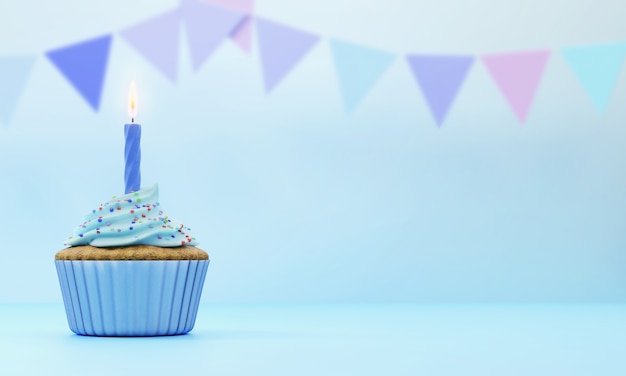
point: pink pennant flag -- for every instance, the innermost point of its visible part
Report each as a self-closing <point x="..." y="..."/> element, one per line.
<point x="157" y="40"/>
<point x="242" y="33"/>
<point x="518" y="75"/>
<point x="282" y="47"/>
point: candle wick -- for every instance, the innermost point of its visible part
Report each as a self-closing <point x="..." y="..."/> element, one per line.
<point x="132" y="120"/>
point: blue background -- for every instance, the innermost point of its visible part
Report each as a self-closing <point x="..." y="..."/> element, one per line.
<point x="297" y="201"/>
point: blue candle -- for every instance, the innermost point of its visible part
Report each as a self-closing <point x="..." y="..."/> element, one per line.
<point x="132" y="150"/>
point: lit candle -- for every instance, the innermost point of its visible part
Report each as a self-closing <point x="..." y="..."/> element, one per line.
<point x="132" y="152"/>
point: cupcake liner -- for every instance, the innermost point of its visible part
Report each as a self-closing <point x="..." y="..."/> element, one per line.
<point x="131" y="298"/>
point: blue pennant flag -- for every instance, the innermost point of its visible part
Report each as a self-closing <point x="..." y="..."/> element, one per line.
<point x="84" y="66"/>
<point x="358" y="69"/>
<point x="14" y="72"/>
<point x="597" y="68"/>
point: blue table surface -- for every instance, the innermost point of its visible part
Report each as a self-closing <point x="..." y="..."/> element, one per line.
<point x="332" y="339"/>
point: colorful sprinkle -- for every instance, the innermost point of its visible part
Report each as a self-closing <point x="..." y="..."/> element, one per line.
<point x="160" y="228"/>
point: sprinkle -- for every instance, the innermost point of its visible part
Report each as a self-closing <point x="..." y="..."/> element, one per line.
<point x="93" y="211"/>
<point x="100" y="219"/>
<point x="129" y="200"/>
<point x="119" y="230"/>
<point x="111" y="210"/>
<point x="172" y="236"/>
<point x="108" y="224"/>
<point x="97" y="232"/>
<point x="132" y="211"/>
<point x="119" y="208"/>
<point x="182" y="242"/>
<point x="81" y="235"/>
<point x="143" y="216"/>
<point x="160" y="237"/>
<point x="131" y="227"/>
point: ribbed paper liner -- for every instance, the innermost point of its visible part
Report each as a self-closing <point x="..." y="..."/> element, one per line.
<point x="131" y="298"/>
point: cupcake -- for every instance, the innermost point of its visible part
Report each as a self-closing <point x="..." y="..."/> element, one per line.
<point x="130" y="270"/>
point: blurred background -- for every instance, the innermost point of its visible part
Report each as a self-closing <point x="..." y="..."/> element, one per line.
<point x="298" y="199"/>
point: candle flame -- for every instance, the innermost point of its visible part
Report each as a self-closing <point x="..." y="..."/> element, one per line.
<point x="132" y="101"/>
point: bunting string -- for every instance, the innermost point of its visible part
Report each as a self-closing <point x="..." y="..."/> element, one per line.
<point x="208" y="23"/>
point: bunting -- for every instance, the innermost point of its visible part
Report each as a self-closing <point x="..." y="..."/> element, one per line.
<point x="439" y="77"/>
<point x="84" y="65"/>
<point x="597" y="69"/>
<point x="518" y="75"/>
<point x="157" y="39"/>
<point x="242" y="33"/>
<point x="207" y="26"/>
<point x="282" y="47"/>
<point x="14" y="73"/>
<point x="358" y="68"/>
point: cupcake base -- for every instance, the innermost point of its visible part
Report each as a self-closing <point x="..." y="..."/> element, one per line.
<point x="131" y="297"/>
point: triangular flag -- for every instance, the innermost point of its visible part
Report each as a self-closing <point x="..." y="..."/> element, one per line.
<point x="242" y="33"/>
<point x="358" y="68"/>
<point x="84" y="66"/>
<point x="597" y="68"/>
<point x="14" y="72"/>
<point x="518" y="75"/>
<point x="281" y="48"/>
<point x="440" y="77"/>
<point x="157" y="40"/>
<point x="207" y="26"/>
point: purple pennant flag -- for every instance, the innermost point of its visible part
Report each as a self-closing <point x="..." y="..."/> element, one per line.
<point x="281" y="47"/>
<point x="157" y="40"/>
<point x="207" y="26"/>
<point x="440" y="77"/>
<point x="518" y="75"/>
<point x="84" y="66"/>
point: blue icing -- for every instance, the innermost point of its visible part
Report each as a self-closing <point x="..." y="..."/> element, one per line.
<point x="132" y="219"/>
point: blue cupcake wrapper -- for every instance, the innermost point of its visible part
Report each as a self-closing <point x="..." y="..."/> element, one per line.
<point x="131" y="298"/>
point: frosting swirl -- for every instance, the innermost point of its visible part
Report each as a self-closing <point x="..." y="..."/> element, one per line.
<point x="131" y="219"/>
